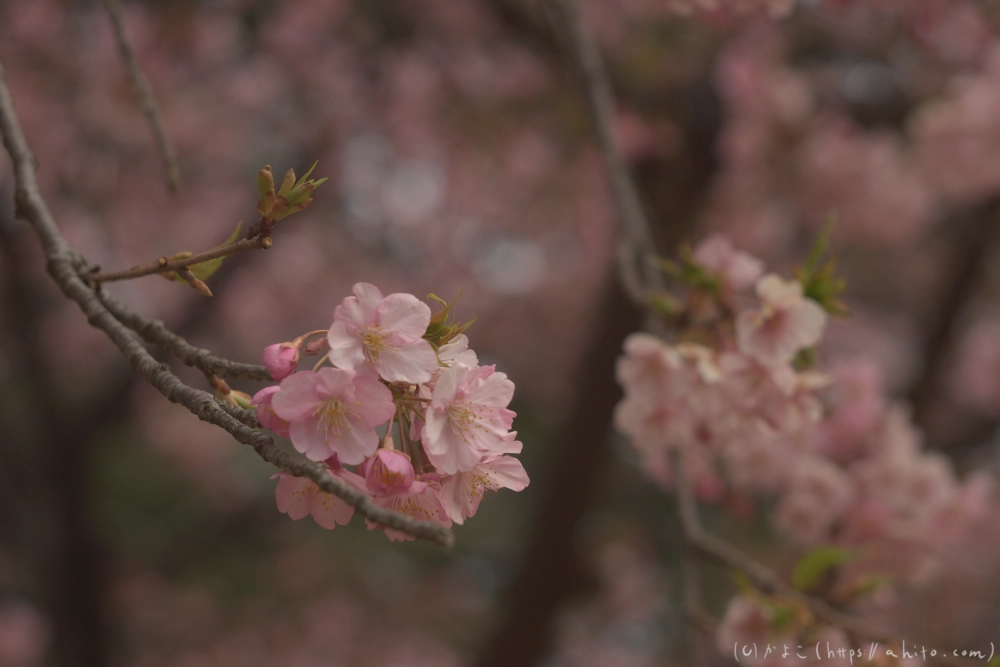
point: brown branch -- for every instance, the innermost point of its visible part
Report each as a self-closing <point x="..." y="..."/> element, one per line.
<point x="248" y="417"/>
<point x="694" y="604"/>
<point x="966" y="273"/>
<point x="601" y="102"/>
<point x="145" y="93"/>
<point x="157" y="333"/>
<point x="163" y="265"/>
<point x="65" y="265"/>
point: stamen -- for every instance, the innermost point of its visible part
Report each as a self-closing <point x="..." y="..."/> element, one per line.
<point x="334" y="416"/>
<point x="375" y="342"/>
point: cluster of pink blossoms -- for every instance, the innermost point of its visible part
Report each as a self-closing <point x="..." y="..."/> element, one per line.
<point x="740" y="400"/>
<point x="397" y="368"/>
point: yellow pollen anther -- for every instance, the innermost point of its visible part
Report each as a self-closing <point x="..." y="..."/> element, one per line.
<point x="375" y="342"/>
<point x="334" y="416"/>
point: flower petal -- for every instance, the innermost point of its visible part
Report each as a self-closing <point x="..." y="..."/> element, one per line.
<point x="346" y="348"/>
<point x="405" y="316"/>
<point x="374" y="401"/>
<point x="330" y="511"/>
<point x="292" y="495"/>
<point x="412" y="362"/>
<point x="298" y="398"/>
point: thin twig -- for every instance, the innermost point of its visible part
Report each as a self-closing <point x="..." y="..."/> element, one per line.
<point x="694" y="605"/>
<point x="157" y="333"/>
<point x="601" y="101"/>
<point x="145" y="93"/>
<point x="65" y="265"/>
<point x="163" y="265"/>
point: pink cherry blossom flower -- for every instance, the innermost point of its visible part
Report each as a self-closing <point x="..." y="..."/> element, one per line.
<point x="745" y="623"/>
<point x="737" y="269"/>
<point x="648" y="363"/>
<point x="757" y="458"/>
<point x="671" y="394"/>
<point x="299" y="496"/>
<point x="281" y="360"/>
<point x="462" y="492"/>
<point x="382" y="335"/>
<point x="820" y="493"/>
<point x="265" y="411"/>
<point x="467" y="417"/>
<point x="457" y="351"/>
<point x="390" y="473"/>
<point x="785" y="324"/>
<point x="423" y="505"/>
<point x="333" y="411"/>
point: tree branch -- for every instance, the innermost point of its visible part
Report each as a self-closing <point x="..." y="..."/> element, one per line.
<point x="65" y="264"/>
<point x="145" y="93"/>
<point x="601" y="102"/>
<point x="972" y="253"/>
<point x="157" y="333"/>
<point x="163" y="265"/>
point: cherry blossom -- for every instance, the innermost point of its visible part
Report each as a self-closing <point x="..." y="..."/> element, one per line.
<point x="389" y="473"/>
<point x="299" y="496"/>
<point x="281" y="359"/>
<point x="467" y="417"/>
<point x="785" y="324"/>
<point x="265" y="411"/>
<point x="451" y="414"/>
<point x="462" y="492"/>
<point x="737" y="269"/>
<point x="423" y="504"/>
<point x="382" y="335"/>
<point x="819" y="494"/>
<point x="333" y="411"/>
<point x="745" y="623"/>
<point x="457" y="351"/>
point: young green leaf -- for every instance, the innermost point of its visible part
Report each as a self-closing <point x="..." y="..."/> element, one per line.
<point x="813" y="566"/>
<point x="204" y="270"/>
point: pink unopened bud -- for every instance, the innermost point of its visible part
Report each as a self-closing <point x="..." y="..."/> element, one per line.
<point x="390" y="473"/>
<point x="281" y="359"/>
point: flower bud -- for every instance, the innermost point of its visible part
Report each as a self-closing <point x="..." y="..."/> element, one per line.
<point x="281" y="359"/>
<point x="241" y="399"/>
<point x="314" y="347"/>
<point x="265" y="183"/>
<point x="389" y="473"/>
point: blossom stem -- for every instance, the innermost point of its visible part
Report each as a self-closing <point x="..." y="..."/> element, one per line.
<point x="320" y="362"/>
<point x="163" y="265"/>
<point x="301" y="339"/>
<point x="387" y="442"/>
